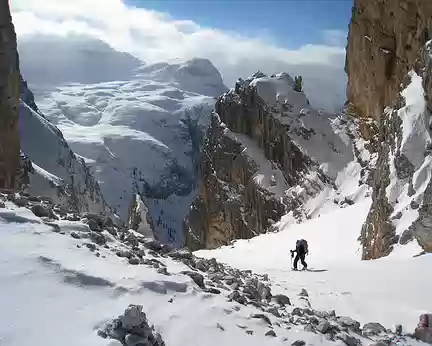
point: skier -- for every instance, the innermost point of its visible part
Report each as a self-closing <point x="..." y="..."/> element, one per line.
<point x="302" y="251"/>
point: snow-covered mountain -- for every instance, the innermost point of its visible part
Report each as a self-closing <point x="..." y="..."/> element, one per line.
<point x="54" y="171"/>
<point x="140" y="135"/>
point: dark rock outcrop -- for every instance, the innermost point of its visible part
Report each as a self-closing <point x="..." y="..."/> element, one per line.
<point x="385" y="38"/>
<point x="9" y="101"/>
<point x="230" y="204"/>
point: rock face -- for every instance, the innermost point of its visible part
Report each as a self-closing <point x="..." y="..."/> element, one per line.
<point x="389" y="65"/>
<point x="9" y="100"/>
<point x="230" y="204"/>
<point x="261" y="159"/>
<point x="385" y="39"/>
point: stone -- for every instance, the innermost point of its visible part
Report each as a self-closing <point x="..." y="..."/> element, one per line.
<point x="21" y="201"/>
<point x="73" y="217"/>
<point x="40" y="211"/>
<point x="298" y="343"/>
<point x="2" y="204"/>
<point x="323" y="326"/>
<point x="349" y="340"/>
<point x="271" y="333"/>
<point x="398" y="216"/>
<point x="303" y="293"/>
<point x="152" y="244"/>
<point x="265" y="318"/>
<point x="132" y="317"/>
<point x="264" y="291"/>
<point x="98" y="238"/>
<point x="348" y="323"/>
<point x="124" y="253"/>
<point x="398" y="329"/>
<point x="274" y="311"/>
<point x="212" y="290"/>
<point x="196" y="277"/>
<point x="201" y="264"/>
<point x="372" y="329"/>
<point x="281" y="299"/>
<point x="414" y="205"/>
<point x="55" y="227"/>
<point x="181" y="254"/>
<point x="423" y="330"/>
<point x="90" y="246"/>
<point x="75" y="235"/>
<point x="249" y="332"/>
<point x="93" y="225"/>
<point x="309" y="328"/>
<point x="220" y="326"/>
<point x="297" y="311"/>
<point x="134" y="261"/>
<point x="163" y="270"/>
<point x="329" y="336"/>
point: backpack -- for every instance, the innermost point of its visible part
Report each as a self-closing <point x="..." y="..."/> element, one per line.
<point x="302" y="244"/>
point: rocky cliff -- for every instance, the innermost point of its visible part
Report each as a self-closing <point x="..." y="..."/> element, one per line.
<point x="266" y="154"/>
<point x="389" y="65"/>
<point x="385" y="39"/>
<point x="9" y="100"/>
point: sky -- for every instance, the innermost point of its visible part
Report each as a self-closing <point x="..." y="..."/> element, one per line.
<point x="305" y="38"/>
<point x="288" y="23"/>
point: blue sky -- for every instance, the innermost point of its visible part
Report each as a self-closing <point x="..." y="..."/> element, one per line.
<point x="287" y="23"/>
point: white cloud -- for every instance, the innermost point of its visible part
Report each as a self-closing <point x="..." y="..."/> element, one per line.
<point x="336" y="38"/>
<point x="154" y="36"/>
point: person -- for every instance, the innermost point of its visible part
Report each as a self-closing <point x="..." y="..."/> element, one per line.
<point x="302" y="251"/>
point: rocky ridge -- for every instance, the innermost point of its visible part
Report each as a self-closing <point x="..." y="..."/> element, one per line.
<point x="266" y="153"/>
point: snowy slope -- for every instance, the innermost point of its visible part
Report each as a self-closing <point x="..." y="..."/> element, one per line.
<point x="141" y="135"/>
<point x="57" y="172"/>
<point x="389" y="291"/>
<point x="58" y="286"/>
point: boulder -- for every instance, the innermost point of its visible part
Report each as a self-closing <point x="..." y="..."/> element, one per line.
<point x="372" y="329"/>
<point x="271" y="333"/>
<point x="323" y="326"/>
<point x="180" y="254"/>
<point x="423" y="331"/>
<point x="349" y="340"/>
<point x="298" y="343"/>
<point x="132" y="317"/>
<point x="348" y="322"/>
<point x="40" y="211"/>
<point x="196" y="277"/>
<point x="282" y="299"/>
